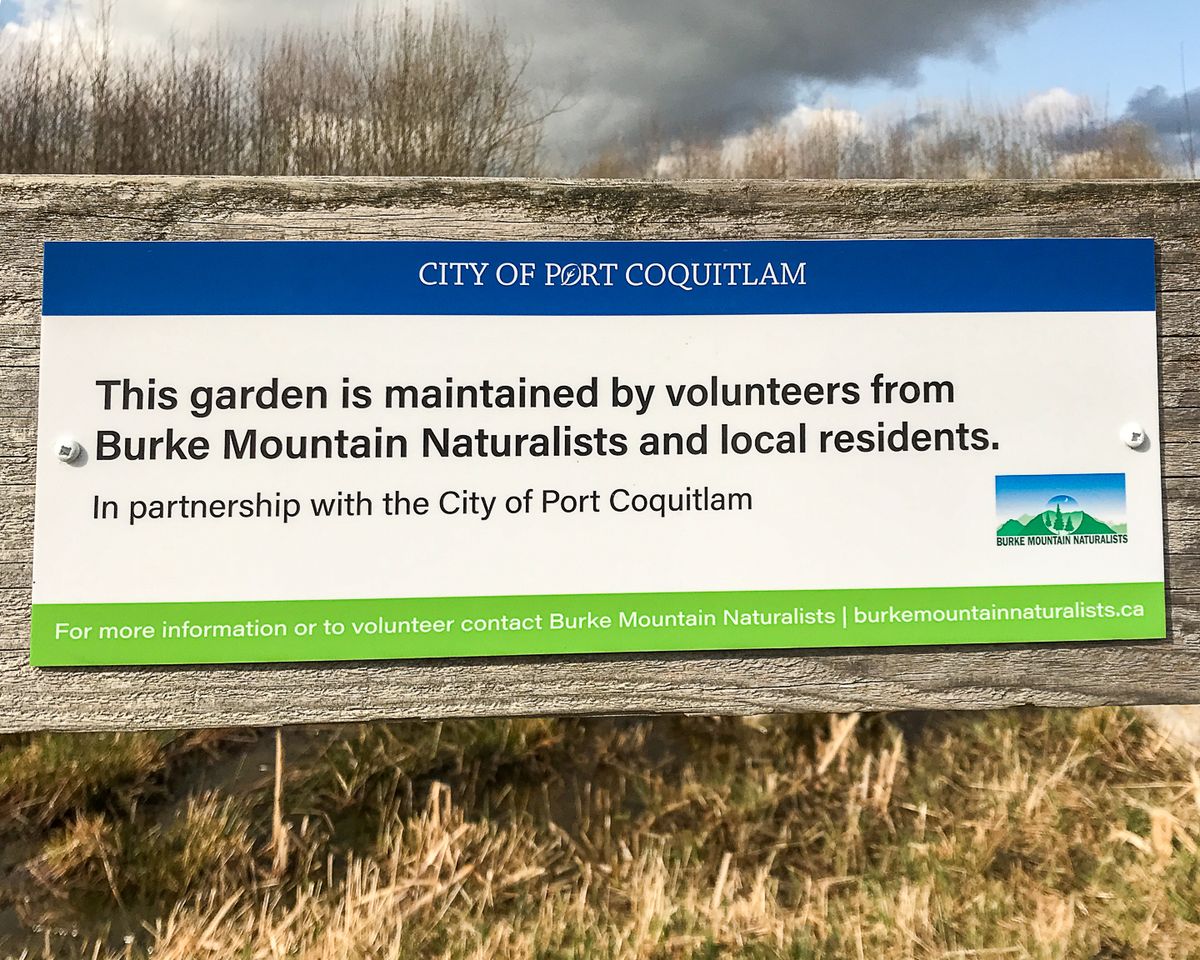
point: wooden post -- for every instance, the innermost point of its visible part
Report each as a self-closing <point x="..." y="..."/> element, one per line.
<point x="34" y="209"/>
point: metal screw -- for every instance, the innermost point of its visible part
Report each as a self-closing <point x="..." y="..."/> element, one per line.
<point x="68" y="450"/>
<point x="1133" y="435"/>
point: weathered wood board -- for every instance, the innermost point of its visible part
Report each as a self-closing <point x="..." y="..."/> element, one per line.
<point x="34" y="209"/>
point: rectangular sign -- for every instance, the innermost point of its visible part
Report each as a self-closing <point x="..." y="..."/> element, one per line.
<point x="287" y="451"/>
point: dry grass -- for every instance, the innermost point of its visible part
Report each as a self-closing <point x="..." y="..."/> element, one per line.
<point x="1026" y="834"/>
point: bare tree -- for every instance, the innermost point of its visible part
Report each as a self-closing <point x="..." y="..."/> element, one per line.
<point x="389" y="94"/>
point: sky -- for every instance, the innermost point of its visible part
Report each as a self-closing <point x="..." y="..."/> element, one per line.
<point x="1105" y="50"/>
<point x="705" y="69"/>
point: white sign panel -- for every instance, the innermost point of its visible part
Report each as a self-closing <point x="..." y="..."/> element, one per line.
<point x="318" y="451"/>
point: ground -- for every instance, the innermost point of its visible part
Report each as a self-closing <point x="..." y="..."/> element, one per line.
<point x="1011" y="834"/>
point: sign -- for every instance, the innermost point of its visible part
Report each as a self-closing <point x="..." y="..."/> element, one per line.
<point x="286" y="451"/>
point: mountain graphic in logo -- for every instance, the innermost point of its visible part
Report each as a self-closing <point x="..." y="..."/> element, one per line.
<point x="1065" y="508"/>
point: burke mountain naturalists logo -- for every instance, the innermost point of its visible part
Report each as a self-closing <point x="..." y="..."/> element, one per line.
<point x="1059" y="509"/>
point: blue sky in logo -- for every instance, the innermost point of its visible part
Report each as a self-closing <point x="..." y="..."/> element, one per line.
<point x="1100" y="494"/>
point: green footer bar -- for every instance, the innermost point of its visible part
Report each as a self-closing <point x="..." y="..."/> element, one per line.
<point x="93" y="634"/>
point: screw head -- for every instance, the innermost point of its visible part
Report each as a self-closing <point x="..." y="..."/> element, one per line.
<point x="1133" y="436"/>
<point x="67" y="450"/>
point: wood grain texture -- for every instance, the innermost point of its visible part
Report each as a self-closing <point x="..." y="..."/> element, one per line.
<point x="34" y="209"/>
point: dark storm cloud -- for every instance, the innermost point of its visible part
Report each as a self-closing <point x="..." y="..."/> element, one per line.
<point x="710" y="67"/>
<point x="1165" y="114"/>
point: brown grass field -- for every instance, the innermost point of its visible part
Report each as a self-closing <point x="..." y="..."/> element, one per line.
<point x="1038" y="834"/>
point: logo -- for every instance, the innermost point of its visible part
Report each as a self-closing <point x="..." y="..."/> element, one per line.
<point x="1060" y="509"/>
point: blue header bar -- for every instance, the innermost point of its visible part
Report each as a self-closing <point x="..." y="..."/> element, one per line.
<point x="291" y="277"/>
